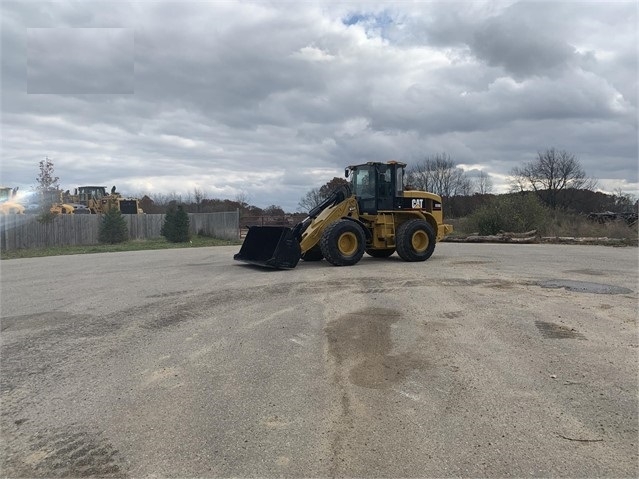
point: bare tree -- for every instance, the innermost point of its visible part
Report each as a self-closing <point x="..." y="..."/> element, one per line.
<point x="315" y="196"/>
<point x="624" y="202"/>
<point x="439" y="174"/>
<point x="310" y="200"/>
<point x="518" y="183"/>
<point x="551" y="175"/>
<point x="242" y="198"/>
<point x="161" y="199"/>
<point x="484" y="184"/>
<point x="48" y="185"/>
<point x="46" y="180"/>
<point x="198" y="196"/>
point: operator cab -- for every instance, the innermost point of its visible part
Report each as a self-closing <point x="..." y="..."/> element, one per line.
<point x="87" y="193"/>
<point x="377" y="186"/>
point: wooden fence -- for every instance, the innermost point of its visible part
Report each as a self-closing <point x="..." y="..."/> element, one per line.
<point x="25" y="231"/>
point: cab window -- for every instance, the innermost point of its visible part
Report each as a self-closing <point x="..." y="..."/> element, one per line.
<point x="399" y="181"/>
<point x="363" y="182"/>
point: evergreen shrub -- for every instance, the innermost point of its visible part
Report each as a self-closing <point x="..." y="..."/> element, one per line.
<point x="176" y="225"/>
<point x="113" y="227"/>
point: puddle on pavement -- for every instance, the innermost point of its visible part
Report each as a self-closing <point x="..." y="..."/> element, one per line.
<point x="557" y="331"/>
<point x="584" y="286"/>
<point x="361" y="344"/>
<point x="589" y="272"/>
<point x="67" y="454"/>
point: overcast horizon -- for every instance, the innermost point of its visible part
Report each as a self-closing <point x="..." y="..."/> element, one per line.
<point x="267" y="100"/>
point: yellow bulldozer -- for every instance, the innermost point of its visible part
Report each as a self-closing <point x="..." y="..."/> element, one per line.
<point x="95" y="200"/>
<point x="373" y="214"/>
<point x="8" y="201"/>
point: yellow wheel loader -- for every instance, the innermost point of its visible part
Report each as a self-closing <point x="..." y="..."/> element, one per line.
<point x="373" y="214"/>
<point x="8" y="201"/>
<point x="95" y="200"/>
<point x="62" y="209"/>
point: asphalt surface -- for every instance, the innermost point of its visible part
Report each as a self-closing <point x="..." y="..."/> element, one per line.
<point x="484" y="361"/>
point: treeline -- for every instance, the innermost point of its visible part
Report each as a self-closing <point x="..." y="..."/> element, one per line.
<point x="555" y="178"/>
<point x="581" y="202"/>
<point x="193" y="204"/>
<point x="578" y="201"/>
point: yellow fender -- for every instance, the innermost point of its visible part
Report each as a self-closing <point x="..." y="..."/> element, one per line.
<point x="11" y="208"/>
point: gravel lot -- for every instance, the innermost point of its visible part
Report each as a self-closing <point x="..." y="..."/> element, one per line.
<point x="484" y="361"/>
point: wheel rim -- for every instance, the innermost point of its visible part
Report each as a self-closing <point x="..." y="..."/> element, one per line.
<point x="347" y="244"/>
<point x="419" y="241"/>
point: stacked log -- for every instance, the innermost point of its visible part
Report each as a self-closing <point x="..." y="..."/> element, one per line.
<point x="529" y="237"/>
<point x="604" y="240"/>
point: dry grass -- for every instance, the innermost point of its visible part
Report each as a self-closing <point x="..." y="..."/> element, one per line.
<point x="567" y="225"/>
<point x="563" y="224"/>
<point x="133" y="245"/>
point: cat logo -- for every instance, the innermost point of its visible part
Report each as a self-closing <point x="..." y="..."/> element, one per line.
<point x="418" y="203"/>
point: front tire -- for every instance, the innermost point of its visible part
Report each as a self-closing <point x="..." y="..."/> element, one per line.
<point x="343" y="243"/>
<point x="415" y="240"/>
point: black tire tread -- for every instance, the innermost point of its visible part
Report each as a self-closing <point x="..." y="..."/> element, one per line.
<point x="403" y="240"/>
<point x="328" y="243"/>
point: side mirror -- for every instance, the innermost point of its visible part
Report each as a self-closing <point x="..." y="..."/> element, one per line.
<point x="346" y="172"/>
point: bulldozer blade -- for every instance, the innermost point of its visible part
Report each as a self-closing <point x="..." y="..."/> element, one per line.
<point x="270" y="246"/>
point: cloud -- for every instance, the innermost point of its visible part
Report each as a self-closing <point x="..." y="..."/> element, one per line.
<point x="523" y="42"/>
<point x="80" y="60"/>
<point x="270" y="101"/>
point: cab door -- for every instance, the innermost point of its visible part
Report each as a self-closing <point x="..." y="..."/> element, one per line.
<point x="385" y="187"/>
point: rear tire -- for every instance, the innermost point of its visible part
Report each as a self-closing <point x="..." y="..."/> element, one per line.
<point x="415" y="240"/>
<point x="380" y="253"/>
<point x="343" y="243"/>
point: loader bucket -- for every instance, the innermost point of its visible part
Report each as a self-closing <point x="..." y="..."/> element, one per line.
<point x="270" y="246"/>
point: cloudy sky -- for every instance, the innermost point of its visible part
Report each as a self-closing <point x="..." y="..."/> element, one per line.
<point x="269" y="99"/>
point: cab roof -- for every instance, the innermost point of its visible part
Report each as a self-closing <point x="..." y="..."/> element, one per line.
<point x="372" y="163"/>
